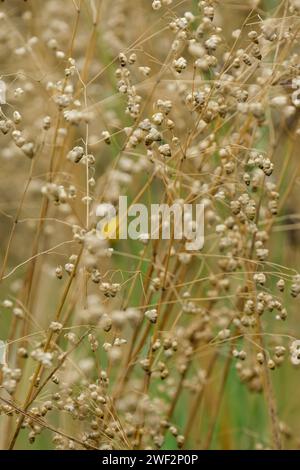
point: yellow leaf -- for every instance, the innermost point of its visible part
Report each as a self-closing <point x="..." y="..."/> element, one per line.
<point x="111" y="229"/>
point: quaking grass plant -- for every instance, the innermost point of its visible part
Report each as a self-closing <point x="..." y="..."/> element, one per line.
<point x="141" y="344"/>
